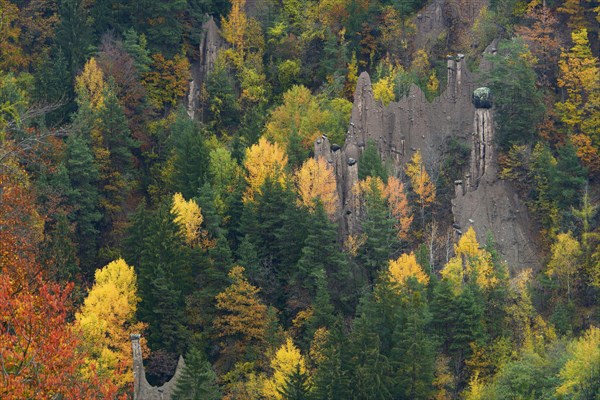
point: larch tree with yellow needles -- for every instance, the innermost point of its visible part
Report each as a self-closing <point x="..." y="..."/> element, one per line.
<point x="107" y="318"/>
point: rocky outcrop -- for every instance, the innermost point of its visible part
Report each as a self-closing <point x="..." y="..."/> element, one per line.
<point x="413" y="123"/>
<point x="489" y="204"/>
<point x="448" y="21"/>
<point x="211" y="42"/>
<point x="142" y="390"/>
<point x="398" y="130"/>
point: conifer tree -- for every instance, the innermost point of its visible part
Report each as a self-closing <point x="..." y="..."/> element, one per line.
<point x="242" y="322"/>
<point x="164" y="280"/>
<point x="83" y="174"/>
<point x="320" y="255"/>
<point x="333" y="378"/>
<point x="189" y="156"/>
<point x="378" y="226"/>
<point x="198" y="380"/>
<point x="296" y="386"/>
<point x="413" y="353"/>
<point x="370" y="164"/>
<point x="74" y="34"/>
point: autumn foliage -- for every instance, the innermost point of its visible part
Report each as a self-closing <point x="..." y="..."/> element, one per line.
<point x="264" y="160"/>
<point x="316" y="182"/>
<point x="39" y="348"/>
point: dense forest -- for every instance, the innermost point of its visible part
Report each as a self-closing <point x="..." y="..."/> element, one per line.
<point x="158" y="176"/>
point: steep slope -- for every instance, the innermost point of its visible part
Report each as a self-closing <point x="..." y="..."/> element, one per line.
<point x="413" y="123"/>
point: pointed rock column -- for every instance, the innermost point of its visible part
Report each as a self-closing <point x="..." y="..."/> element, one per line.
<point x="482" y="150"/>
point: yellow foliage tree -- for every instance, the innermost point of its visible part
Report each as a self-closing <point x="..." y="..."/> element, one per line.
<point x="580" y="376"/>
<point x="264" y="160"/>
<point x="470" y="263"/>
<point x="398" y="204"/>
<point x="433" y="84"/>
<point x="301" y="114"/>
<point x="564" y="262"/>
<point x="406" y="266"/>
<point x="383" y="90"/>
<point x="188" y="216"/>
<point x="316" y="181"/>
<point x="367" y="185"/>
<point x="575" y="12"/>
<point x="579" y="76"/>
<point x="421" y="183"/>
<point x="234" y="31"/>
<point x="476" y="388"/>
<point x="284" y="364"/>
<point x="351" y="78"/>
<point x="242" y="321"/>
<point x="420" y="64"/>
<point x="89" y="85"/>
<point x="107" y="318"/>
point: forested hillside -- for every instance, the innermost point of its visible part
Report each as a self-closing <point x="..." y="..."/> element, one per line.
<point x="221" y="177"/>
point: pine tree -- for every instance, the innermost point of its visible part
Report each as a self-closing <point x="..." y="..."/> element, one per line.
<point x="296" y="386"/>
<point x="333" y="378"/>
<point x="567" y="178"/>
<point x="136" y="233"/>
<point x="83" y="174"/>
<point x="370" y="164"/>
<point x="517" y="100"/>
<point x="378" y="226"/>
<point x="135" y="45"/>
<point x="73" y="34"/>
<point x="164" y="280"/>
<point x="414" y="352"/>
<point x="162" y="23"/>
<point x="275" y="227"/>
<point x="321" y="257"/>
<point x="198" y="380"/>
<point x="61" y="251"/>
<point x="117" y="136"/>
<point x="190" y="156"/>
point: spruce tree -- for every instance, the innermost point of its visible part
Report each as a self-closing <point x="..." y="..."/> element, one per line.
<point x="296" y="386"/>
<point x="568" y="178"/>
<point x="198" y="380"/>
<point x="370" y="164"/>
<point x="83" y="174"/>
<point x="164" y="279"/>
<point x="74" y="34"/>
<point x="413" y="353"/>
<point x="333" y="377"/>
<point x="117" y="136"/>
<point x="378" y="226"/>
<point x="320" y="254"/>
<point x="190" y="156"/>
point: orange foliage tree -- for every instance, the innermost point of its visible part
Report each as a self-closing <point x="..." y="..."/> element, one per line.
<point x="39" y="351"/>
<point x="398" y="204"/>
